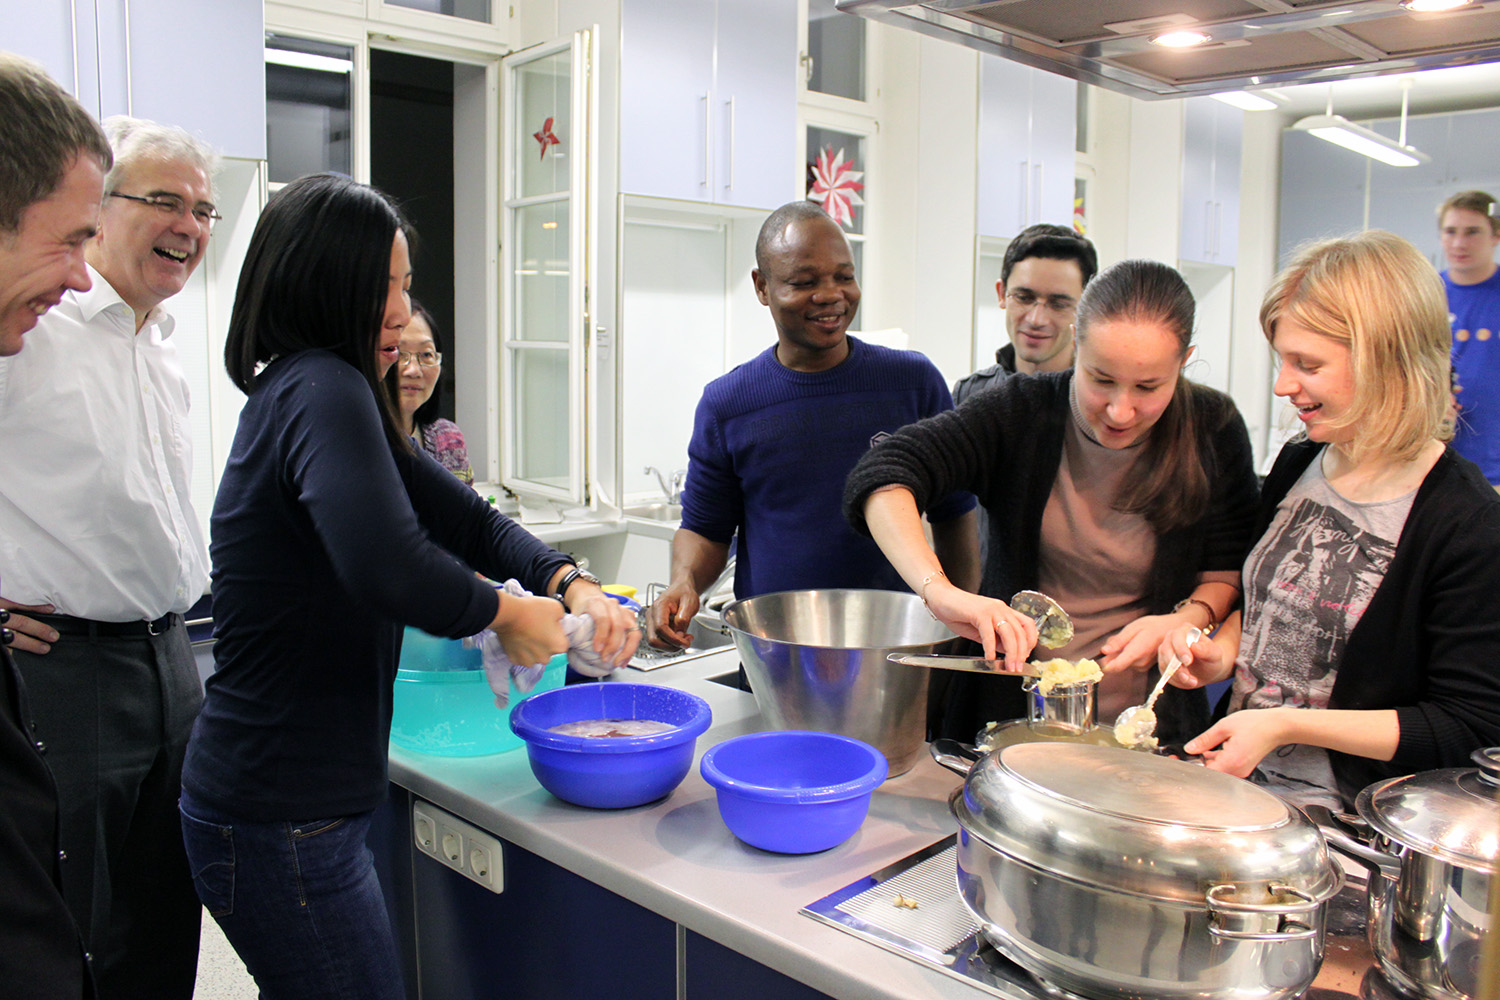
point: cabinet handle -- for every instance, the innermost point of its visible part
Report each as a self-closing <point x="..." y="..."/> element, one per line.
<point x="1208" y="230"/>
<point x="729" y="185"/>
<point x="129" y="89"/>
<point x="707" y="138"/>
<point x="1218" y="229"/>
<point x="73" y="36"/>
<point x="1023" y="210"/>
<point x="1036" y="170"/>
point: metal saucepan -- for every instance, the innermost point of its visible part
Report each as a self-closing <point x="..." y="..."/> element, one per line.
<point x="1113" y="874"/>
<point x="1434" y="852"/>
<point x="818" y="659"/>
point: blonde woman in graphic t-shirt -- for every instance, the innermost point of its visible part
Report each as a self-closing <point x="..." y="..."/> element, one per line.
<point x="1370" y="595"/>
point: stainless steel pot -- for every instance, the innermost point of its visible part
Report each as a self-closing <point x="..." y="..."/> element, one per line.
<point x="1114" y="874"/>
<point x="817" y="659"/>
<point x="1433" y="855"/>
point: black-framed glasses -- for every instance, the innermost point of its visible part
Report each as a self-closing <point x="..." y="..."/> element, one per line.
<point x="1023" y="298"/>
<point x="427" y="359"/>
<point x="205" y="214"/>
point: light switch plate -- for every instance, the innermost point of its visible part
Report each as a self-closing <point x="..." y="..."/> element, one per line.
<point x="461" y="846"/>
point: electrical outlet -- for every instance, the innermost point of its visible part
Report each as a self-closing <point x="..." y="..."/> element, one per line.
<point x="461" y="846"/>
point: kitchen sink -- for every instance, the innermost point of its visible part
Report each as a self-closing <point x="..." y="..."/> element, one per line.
<point x="659" y="511"/>
<point x="705" y="639"/>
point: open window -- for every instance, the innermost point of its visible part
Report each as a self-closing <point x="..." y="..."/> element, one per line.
<point x="548" y="366"/>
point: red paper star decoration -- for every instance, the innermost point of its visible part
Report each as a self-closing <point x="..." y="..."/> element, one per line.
<point x="545" y="137"/>
<point x="836" y="187"/>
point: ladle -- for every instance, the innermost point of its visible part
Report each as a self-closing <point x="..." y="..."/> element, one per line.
<point x="1136" y="726"/>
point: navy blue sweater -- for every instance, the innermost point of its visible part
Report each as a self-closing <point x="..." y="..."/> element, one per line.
<point x="770" y="450"/>
<point x="324" y="543"/>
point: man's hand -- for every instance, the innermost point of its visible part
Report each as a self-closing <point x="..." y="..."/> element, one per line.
<point x="671" y="614"/>
<point x="30" y="635"/>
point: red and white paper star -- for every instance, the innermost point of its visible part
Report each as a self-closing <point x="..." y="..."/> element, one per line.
<point x="546" y="137"/>
<point x="836" y="186"/>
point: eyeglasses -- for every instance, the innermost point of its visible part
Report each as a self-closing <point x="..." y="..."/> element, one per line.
<point x="427" y="359"/>
<point x="171" y="204"/>
<point x="1059" y="304"/>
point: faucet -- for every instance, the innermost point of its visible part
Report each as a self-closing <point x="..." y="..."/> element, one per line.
<point x="672" y="490"/>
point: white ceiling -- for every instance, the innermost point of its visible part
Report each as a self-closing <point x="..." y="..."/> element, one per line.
<point x="1432" y="91"/>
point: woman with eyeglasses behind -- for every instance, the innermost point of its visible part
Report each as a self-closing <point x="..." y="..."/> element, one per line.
<point x="329" y="533"/>
<point x="413" y="382"/>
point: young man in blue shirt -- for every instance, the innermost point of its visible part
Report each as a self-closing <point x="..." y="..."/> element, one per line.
<point x="1470" y="231"/>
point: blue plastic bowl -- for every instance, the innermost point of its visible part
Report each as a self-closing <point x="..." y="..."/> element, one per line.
<point x="794" y="791"/>
<point x="617" y="771"/>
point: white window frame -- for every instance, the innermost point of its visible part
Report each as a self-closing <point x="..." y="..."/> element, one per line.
<point x="582" y="343"/>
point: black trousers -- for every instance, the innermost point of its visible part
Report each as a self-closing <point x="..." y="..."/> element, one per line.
<point x="115" y="715"/>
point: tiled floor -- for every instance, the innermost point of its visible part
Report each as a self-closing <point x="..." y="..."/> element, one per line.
<point x="221" y="974"/>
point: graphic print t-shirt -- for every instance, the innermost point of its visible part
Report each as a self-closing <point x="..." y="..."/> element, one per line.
<point x="1307" y="582"/>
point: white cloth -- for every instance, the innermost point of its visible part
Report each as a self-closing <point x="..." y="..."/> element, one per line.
<point x="95" y="509"/>
<point x="500" y="672"/>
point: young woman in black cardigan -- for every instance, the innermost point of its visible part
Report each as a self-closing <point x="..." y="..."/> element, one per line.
<point x="1120" y="488"/>
<point x="1371" y="594"/>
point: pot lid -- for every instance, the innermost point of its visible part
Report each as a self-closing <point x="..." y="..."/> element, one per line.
<point x="1138" y="822"/>
<point x="1452" y="814"/>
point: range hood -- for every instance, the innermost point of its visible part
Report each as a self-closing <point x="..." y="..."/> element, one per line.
<point x="1254" y="43"/>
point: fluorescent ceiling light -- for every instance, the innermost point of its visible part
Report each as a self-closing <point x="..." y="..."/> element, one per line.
<point x="307" y="60"/>
<point x="1180" y="39"/>
<point x="1433" y="6"/>
<point x="1339" y="130"/>
<point x="1245" y="101"/>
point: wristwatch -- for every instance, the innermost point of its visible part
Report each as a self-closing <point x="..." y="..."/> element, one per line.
<point x="572" y="576"/>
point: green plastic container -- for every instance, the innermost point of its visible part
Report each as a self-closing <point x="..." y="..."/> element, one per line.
<point x="444" y="706"/>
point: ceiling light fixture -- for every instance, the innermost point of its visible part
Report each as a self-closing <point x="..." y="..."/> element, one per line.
<point x="1180" y="39"/>
<point x="1342" y="132"/>
<point x="1434" y="6"/>
<point x="1245" y="101"/>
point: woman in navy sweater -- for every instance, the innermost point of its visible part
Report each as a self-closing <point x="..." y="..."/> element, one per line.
<point x="1371" y="594"/>
<point x="330" y="533"/>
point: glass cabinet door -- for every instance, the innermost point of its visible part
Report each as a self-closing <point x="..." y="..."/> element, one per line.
<point x="546" y="267"/>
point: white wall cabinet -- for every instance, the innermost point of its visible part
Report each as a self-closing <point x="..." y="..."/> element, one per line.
<point x="708" y="100"/>
<point x="198" y="64"/>
<point x="1027" y="126"/>
<point x="1211" y="140"/>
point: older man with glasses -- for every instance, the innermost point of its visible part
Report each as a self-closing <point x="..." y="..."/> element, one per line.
<point x="101" y="553"/>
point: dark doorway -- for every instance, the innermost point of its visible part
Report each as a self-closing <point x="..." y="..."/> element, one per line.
<point x="411" y="159"/>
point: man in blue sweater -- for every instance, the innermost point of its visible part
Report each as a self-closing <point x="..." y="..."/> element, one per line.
<point x="774" y="439"/>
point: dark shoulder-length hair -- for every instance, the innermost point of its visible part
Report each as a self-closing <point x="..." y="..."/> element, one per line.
<point x="316" y="276"/>
<point x="1168" y="485"/>
<point x="429" y="411"/>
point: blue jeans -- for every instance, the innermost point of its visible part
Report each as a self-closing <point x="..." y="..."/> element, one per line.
<point x="299" y="901"/>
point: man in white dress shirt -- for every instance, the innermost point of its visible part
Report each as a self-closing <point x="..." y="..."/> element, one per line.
<point x="100" y="553"/>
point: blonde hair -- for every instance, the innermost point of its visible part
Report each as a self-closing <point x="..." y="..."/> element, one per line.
<point x="1375" y="293"/>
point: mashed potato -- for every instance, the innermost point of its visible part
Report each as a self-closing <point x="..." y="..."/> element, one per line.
<point x="1065" y="673"/>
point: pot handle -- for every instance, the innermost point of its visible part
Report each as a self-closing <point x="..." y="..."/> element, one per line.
<point x="1232" y="920"/>
<point x="955" y="756"/>
<point x="1336" y="828"/>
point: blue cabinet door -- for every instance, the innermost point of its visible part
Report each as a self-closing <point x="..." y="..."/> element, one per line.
<point x="1027" y="127"/>
<point x="755" y="103"/>
<point x="1322" y="191"/>
<point x="666" y="98"/>
<point x="200" y="65"/>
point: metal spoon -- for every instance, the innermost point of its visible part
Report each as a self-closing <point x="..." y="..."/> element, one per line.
<point x="1136" y="726"/>
<point x="1054" y="629"/>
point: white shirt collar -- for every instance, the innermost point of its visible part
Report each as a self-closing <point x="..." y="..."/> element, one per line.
<point x="102" y="296"/>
